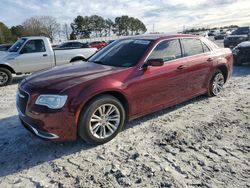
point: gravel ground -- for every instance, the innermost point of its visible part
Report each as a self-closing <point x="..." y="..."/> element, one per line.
<point x="200" y="143"/>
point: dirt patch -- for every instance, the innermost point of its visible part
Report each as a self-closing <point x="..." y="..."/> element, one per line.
<point x="200" y="143"/>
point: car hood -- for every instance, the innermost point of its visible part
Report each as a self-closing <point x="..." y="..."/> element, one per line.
<point x="63" y="77"/>
<point x="4" y="55"/>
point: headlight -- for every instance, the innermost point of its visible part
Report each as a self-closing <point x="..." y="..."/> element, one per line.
<point x="52" y="101"/>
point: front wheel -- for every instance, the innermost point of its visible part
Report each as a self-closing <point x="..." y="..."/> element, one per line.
<point x="101" y="120"/>
<point x="216" y="84"/>
<point x="5" y="77"/>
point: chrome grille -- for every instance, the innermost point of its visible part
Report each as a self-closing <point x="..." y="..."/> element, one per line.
<point x="22" y="101"/>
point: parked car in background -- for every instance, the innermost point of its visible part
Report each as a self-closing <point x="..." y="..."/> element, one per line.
<point x="212" y="33"/>
<point x="242" y="53"/>
<point x="110" y="41"/>
<point x="5" y="47"/>
<point x="127" y="79"/>
<point x="98" y="44"/>
<point x="31" y="54"/>
<point x="220" y="36"/>
<point x="72" y="45"/>
<point x="239" y="35"/>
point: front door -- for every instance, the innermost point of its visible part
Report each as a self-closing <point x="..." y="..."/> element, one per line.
<point x="157" y="87"/>
<point x="33" y="57"/>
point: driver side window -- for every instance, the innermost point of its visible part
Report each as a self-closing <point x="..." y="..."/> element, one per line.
<point x="34" y="46"/>
<point x="167" y="50"/>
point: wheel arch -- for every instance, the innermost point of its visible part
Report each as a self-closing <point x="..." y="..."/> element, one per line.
<point x="224" y="70"/>
<point x="77" y="58"/>
<point x="8" y="67"/>
<point x="118" y="95"/>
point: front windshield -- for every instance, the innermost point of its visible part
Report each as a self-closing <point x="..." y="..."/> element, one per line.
<point x="241" y="31"/>
<point x="122" y="53"/>
<point x="63" y="45"/>
<point x="15" y="47"/>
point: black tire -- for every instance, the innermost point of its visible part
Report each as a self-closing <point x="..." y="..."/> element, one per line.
<point x="5" y="77"/>
<point x="211" y="92"/>
<point x="84" y="124"/>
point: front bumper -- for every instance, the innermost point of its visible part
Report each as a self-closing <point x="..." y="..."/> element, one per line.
<point x="56" y="125"/>
<point x="38" y="132"/>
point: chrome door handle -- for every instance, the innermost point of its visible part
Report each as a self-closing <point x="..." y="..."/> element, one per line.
<point x="210" y="59"/>
<point x="181" y="67"/>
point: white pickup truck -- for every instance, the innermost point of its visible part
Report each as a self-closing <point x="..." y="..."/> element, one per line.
<point x="30" y="54"/>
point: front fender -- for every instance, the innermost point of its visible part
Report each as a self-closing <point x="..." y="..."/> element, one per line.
<point x="91" y="90"/>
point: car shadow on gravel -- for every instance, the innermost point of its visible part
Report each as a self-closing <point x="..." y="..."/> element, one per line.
<point x="22" y="150"/>
<point x="164" y="111"/>
<point x="18" y="79"/>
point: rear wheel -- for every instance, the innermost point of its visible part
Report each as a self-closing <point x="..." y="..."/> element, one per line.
<point x="101" y="120"/>
<point x="5" y="77"/>
<point x="216" y="83"/>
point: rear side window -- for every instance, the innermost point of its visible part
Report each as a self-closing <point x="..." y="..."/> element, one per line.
<point x="76" y="45"/>
<point x="34" y="46"/>
<point x="167" y="50"/>
<point x="192" y="47"/>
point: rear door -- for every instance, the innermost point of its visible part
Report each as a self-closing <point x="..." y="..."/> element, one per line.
<point x="33" y="57"/>
<point x="199" y="59"/>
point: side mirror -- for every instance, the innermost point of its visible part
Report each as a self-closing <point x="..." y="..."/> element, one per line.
<point x="153" y="63"/>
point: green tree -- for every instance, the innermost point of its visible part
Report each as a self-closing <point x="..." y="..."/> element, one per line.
<point x="81" y="27"/>
<point x="97" y="25"/>
<point x="84" y="27"/>
<point x="17" y="31"/>
<point x="128" y="25"/>
<point x="109" y="26"/>
<point x="5" y="34"/>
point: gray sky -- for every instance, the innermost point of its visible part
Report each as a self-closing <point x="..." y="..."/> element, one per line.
<point x="167" y="15"/>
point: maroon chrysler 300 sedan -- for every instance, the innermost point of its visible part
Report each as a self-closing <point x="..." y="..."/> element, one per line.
<point x="127" y="79"/>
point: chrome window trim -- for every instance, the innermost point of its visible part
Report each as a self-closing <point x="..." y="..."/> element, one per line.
<point x="53" y="136"/>
<point x="146" y="58"/>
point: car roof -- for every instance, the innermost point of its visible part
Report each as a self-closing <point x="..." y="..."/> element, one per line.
<point x="161" y="36"/>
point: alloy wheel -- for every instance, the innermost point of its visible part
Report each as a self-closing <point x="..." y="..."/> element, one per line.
<point x="104" y="121"/>
<point x="218" y="83"/>
<point x="3" y="78"/>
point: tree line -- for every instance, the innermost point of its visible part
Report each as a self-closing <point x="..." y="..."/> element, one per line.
<point x="84" y="27"/>
<point x="81" y="27"/>
<point x="205" y="29"/>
